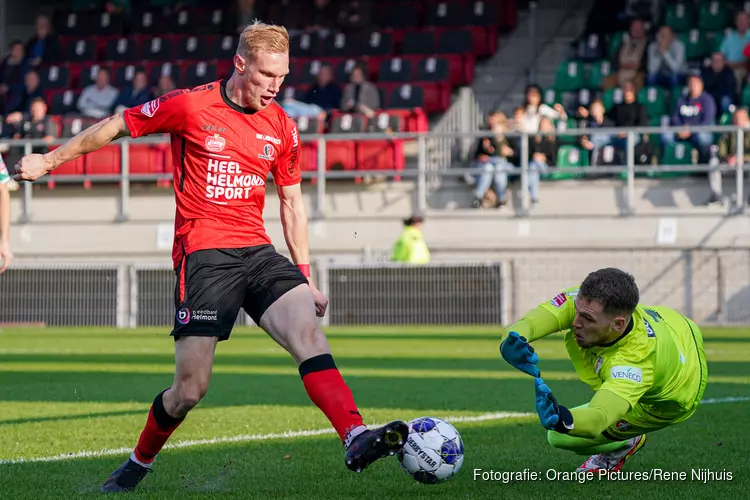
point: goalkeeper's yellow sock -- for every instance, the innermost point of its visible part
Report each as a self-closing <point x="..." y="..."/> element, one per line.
<point x="583" y="446"/>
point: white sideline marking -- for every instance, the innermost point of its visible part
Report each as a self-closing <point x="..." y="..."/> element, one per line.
<point x="244" y="438"/>
<point x="108" y="452"/>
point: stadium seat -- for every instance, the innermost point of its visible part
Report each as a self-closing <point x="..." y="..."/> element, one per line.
<point x="145" y="159"/>
<point x="308" y="72"/>
<point x="395" y="70"/>
<point x="615" y="41"/>
<point x="712" y="16"/>
<point x="456" y="41"/>
<point x="696" y="47"/>
<point x="745" y="96"/>
<point x="377" y="43"/>
<point x="714" y="40"/>
<point x="564" y="125"/>
<point x="123" y="74"/>
<point x="570" y="76"/>
<point x="590" y="48"/>
<point x="165" y="69"/>
<point x="654" y="99"/>
<point x="191" y="48"/>
<point x="432" y="69"/>
<point x="401" y="15"/>
<point x="567" y="157"/>
<point x="54" y="77"/>
<point x="419" y="42"/>
<point x="87" y="74"/>
<point x="610" y="97"/>
<point x="482" y="13"/>
<point x="550" y="97"/>
<point x="344" y="69"/>
<point x="75" y="125"/>
<point x="121" y="49"/>
<point x="406" y="96"/>
<point x="156" y="49"/>
<point x="148" y="22"/>
<point x="305" y="45"/>
<point x="676" y="153"/>
<point x="108" y="24"/>
<point x="597" y="73"/>
<point x="677" y="93"/>
<point x="81" y="50"/>
<point x="679" y="16"/>
<point x="72" y="23"/>
<point x="341" y="45"/>
<point x="198" y="73"/>
<point x="105" y="161"/>
<point x="74" y="167"/>
<point x="386" y="122"/>
<point x="63" y="103"/>
<point x="446" y="14"/>
<point x="224" y="47"/>
<point x="184" y="21"/>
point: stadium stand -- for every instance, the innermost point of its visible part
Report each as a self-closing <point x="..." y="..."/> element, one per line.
<point x="415" y="53"/>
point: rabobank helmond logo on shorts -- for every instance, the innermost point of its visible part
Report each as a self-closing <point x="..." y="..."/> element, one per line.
<point x="205" y="315"/>
<point x="183" y="316"/>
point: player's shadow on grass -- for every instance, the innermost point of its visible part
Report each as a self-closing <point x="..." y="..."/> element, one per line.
<point x="78" y="416"/>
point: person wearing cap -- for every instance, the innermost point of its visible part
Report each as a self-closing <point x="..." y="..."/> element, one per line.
<point x="411" y="247"/>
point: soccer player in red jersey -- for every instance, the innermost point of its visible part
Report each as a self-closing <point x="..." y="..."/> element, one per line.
<point x="225" y="137"/>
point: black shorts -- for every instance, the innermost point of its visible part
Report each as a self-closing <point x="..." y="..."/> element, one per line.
<point x="213" y="284"/>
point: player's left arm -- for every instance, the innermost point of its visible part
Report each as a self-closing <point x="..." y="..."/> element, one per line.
<point x="288" y="181"/>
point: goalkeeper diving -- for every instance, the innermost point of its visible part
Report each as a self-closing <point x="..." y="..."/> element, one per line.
<point x="646" y="365"/>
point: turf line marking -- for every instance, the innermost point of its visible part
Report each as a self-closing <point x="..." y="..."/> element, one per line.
<point x="108" y="452"/>
<point x="245" y="438"/>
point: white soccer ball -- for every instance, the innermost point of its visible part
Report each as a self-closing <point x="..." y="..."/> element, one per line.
<point x="433" y="452"/>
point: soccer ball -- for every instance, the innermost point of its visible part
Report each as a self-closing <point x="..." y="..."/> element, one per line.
<point x="434" y="452"/>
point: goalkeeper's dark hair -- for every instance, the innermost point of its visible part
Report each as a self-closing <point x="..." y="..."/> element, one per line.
<point x="615" y="289"/>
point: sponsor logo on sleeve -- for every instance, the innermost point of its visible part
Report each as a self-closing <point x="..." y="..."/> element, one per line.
<point x="559" y="300"/>
<point x="627" y="373"/>
<point x="149" y="109"/>
<point x="295" y="150"/>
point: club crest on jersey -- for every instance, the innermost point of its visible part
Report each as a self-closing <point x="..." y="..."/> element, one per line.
<point x="559" y="300"/>
<point x="149" y="109"/>
<point x="215" y="143"/>
<point x="598" y="366"/>
<point x="623" y="425"/>
<point x="267" y="152"/>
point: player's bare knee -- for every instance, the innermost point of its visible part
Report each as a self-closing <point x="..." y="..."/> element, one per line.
<point x="189" y="393"/>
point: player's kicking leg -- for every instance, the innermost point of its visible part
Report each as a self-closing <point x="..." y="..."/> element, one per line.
<point x="607" y="451"/>
<point x="291" y="321"/>
<point x="194" y="358"/>
<point x="614" y="460"/>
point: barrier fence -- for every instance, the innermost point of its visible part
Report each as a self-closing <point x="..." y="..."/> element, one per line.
<point x="429" y="172"/>
<point x="710" y="285"/>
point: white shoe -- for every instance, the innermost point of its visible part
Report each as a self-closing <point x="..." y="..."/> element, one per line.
<point x="614" y="460"/>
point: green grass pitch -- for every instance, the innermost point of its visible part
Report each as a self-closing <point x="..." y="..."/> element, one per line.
<point x="86" y="392"/>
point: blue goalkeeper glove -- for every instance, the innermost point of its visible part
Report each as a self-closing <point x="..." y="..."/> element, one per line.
<point x="552" y="415"/>
<point x="517" y="351"/>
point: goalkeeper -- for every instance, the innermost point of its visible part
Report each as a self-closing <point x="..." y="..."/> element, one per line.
<point x="646" y="365"/>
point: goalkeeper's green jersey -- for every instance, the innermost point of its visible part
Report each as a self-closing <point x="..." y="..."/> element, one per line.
<point x="658" y="364"/>
<point x="4" y="175"/>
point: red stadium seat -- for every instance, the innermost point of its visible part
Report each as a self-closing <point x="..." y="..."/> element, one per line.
<point x="105" y="161"/>
<point x="381" y="155"/>
<point x="74" y="167"/>
<point x="396" y="69"/>
<point x="146" y="159"/>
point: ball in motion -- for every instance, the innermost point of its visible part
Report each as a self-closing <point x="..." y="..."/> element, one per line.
<point x="434" y="452"/>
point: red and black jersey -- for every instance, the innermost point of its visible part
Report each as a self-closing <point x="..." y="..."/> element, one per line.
<point x="222" y="154"/>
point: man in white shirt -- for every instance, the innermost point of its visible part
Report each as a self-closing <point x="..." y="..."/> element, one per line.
<point x="97" y="100"/>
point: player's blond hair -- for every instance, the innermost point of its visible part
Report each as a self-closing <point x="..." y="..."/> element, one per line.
<point x="261" y="36"/>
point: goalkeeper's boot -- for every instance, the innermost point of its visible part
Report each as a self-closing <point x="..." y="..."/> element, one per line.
<point x="614" y="460"/>
<point x="374" y="444"/>
<point x="126" y="478"/>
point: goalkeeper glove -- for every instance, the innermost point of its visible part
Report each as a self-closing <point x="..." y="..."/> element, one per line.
<point x="517" y="351"/>
<point x="552" y="415"/>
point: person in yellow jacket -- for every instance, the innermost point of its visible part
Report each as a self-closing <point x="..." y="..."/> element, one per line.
<point x="411" y="247"/>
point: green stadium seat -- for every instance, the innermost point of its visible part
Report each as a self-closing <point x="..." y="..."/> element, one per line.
<point x="562" y="126"/>
<point x="615" y="41"/>
<point x="679" y="17"/>
<point x="654" y="100"/>
<point x="696" y="46"/>
<point x="676" y="94"/>
<point x="714" y="39"/>
<point x="550" y="97"/>
<point x="676" y="153"/>
<point x="598" y="71"/>
<point x="610" y="97"/>
<point x="712" y="15"/>
<point x="746" y="95"/>
<point x="568" y="156"/>
<point x="570" y="76"/>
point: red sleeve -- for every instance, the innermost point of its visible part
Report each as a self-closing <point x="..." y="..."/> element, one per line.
<point x="286" y="169"/>
<point x="165" y="114"/>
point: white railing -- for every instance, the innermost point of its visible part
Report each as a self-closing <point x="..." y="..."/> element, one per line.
<point x="425" y="166"/>
<point x="708" y="285"/>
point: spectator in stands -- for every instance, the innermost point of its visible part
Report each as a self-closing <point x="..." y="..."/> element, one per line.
<point x="322" y="17"/>
<point x="21" y="100"/>
<point x="36" y="124"/>
<point x="492" y="154"/>
<point x="411" y="247"/>
<point x="355" y="15"/>
<point x="360" y="96"/>
<point x="97" y="100"/>
<point x="630" y="60"/>
<point x="697" y="108"/>
<point x="136" y="94"/>
<point x="728" y="153"/>
<point x="536" y="110"/>
<point x="720" y="82"/>
<point x="627" y="114"/>
<point x="165" y="84"/>
<point x="595" y="118"/>
<point x="44" y="47"/>
<point x="734" y="44"/>
<point x="12" y="71"/>
<point x="324" y="93"/>
<point x="667" y="65"/>
<point x="542" y="154"/>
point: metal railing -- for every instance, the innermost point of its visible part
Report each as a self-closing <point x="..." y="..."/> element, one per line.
<point x="424" y="166"/>
<point x="710" y="285"/>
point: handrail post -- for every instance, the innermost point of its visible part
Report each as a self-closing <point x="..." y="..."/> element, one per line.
<point x="320" y="193"/>
<point x="25" y="216"/>
<point x="630" y="149"/>
<point x="122" y="205"/>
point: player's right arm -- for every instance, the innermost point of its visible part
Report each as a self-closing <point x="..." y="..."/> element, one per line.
<point x="34" y="166"/>
<point x="550" y="317"/>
